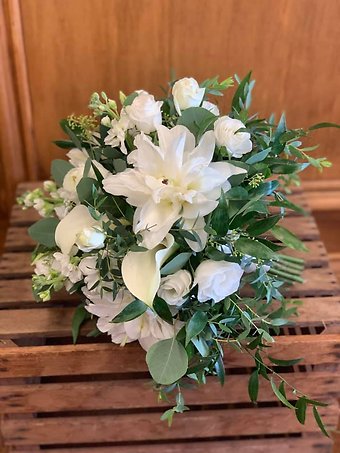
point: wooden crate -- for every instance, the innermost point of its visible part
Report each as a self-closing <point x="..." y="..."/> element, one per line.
<point x="95" y="397"/>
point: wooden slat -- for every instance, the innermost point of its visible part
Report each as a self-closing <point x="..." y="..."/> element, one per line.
<point x="138" y="394"/>
<point x="191" y="425"/>
<point x="317" y="444"/>
<point x="18" y="294"/>
<point x="49" y="321"/>
<point x="66" y="360"/>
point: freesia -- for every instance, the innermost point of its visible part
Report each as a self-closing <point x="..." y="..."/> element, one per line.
<point x="171" y="181"/>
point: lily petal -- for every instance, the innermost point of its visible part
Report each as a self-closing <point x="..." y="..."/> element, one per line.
<point x="141" y="270"/>
<point x="69" y="227"/>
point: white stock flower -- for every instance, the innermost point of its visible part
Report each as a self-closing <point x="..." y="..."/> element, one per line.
<point x="117" y="132"/>
<point x="80" y="228"/>
<point x="103" y="306"/>
<point x="237" y="143"/>
<point x="211" y="107"/>
<point x="150" y="328"/>
<point x="175" y="287"/>
<point x="217" y="279"/>
<point x="145" y="113"/>
<point x="147" y="328"/>
<point x="63" y="264"/>
<point x="187" y="93"/>
<point x="171" y="181"/>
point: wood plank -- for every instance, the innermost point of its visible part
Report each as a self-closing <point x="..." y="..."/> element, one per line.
<point x="18" y="294"/>
<point x="50" y="321"/>
<point x="64" y="360"/>
<point x="191" y="425"/>
<point x="138" y="394"/>
<point x="317" y="444"/>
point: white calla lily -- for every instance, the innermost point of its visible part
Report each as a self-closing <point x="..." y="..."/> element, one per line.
<point x="171" y="181"/>
<point x="73" y="225"/>
<point x="141" y="270"/>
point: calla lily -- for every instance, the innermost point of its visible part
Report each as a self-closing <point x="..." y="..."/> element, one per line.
<point x="141" y="270"/>
<point x="71" y="226"/>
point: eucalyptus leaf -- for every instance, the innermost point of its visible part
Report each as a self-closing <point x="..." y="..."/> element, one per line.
<point x="59" y="168"/>
<point x="167" y="361"/>
<point x="177" y="263"/>
<point x="162" y="309"/>
<point x="43" y="231"/>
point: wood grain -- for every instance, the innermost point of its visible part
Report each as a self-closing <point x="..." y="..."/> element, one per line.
<point x="126" y="394"/>
<point x="108" y="428"/>
<point x="278" y="445"/>
<point x="78" y="359"/>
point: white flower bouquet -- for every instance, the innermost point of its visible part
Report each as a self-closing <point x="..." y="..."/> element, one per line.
<point x="163" y="214"/>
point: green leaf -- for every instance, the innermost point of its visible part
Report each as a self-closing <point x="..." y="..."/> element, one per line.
<point x="254" y="248"/>
<point x="65" y="127"/>
<point x="280" y="362"/>
<point x="43" y="231"/>
<point x="85" y="189"/>
<point x="162" y="309"/>
<point x="263" y="225"/>
<point x="64" y="144"/>
<point x="240" y="95"/>
<point x="129" y="99"/>
<point x="195" y="325"/>
<point x="131" y="311"/>
<point x="301" y="406"/>
<point x="79" y="317"/>
<point x="288" y="238"/>
<point x="253" y="386"/>
<point x="59" y="168"/>
<point x="319" y="421"/>
<point x="176" y="263"/>
<point x="197" y="119"/>
<point x="167" y="361"/>
<point x="258" y="157"/>
<point x="322" y="125"/>
<point x="280" y="396"/>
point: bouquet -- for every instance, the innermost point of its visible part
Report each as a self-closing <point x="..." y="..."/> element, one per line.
<point x="164" y="216"/>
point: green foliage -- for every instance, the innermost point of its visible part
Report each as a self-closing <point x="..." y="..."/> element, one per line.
<point x="167" y="361"/>
<point x="198" y="120"/>
<point x="43" y="231"/>
<point x="59" y="168"/>
<point x="131" y="311"/>
<point x="80" y="316"/>
<point x="288" y="238"/>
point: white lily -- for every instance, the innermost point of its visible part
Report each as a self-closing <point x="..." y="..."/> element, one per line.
<point x="71" y="228"/>
<point x="171" y="181"/>
<point x="141" y="270"/>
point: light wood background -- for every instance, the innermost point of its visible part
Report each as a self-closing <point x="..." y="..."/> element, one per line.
<point x="55" y="53"/>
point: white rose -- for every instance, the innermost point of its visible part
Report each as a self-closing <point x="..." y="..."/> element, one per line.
<point x="70" y="182"/>
<point x="145" y="113"/>
<point x="90" y="238"/>
<point x="211" y="107"/>
<point x="217" y="279"/>
<point x="237" y="143"/>
<point x="187" y="93"/>
<point x="77" y="156"/>
<point x="174" y="287"/>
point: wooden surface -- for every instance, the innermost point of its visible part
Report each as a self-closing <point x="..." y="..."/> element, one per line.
<point x="95" y="397"/>
<point x="55" y="53"/>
